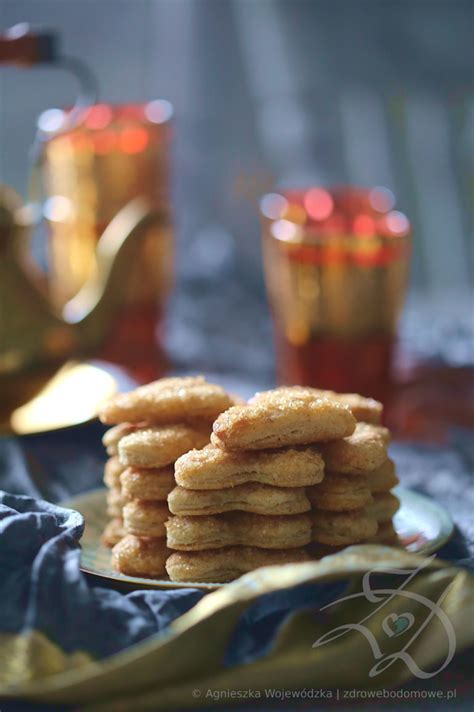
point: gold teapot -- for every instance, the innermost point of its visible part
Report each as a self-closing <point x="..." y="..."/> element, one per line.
<point x="36" y="338"/>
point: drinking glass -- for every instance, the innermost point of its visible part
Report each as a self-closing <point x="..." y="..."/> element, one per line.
<point x="336" y="269"/>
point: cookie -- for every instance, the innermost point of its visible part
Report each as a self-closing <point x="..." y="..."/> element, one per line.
<point x="160" y="446"/>
<point x="384" y="432"/>
<point x="386" y="535"/>
<point x="144" y="518"/>
<point x="282" y="420"/>
<point x="384" y="506"/>
<point x="169" y="400"/>
<point x="251" y="497"/>
<point x="342" y="528"/>
<point x="115" y="502"/>
<point x="112" y="436"/>
<point x="112" y="471"/>
<point x="359" y="453"/>
<point x="363" y="409"/>
<point x="366" y="410"/>
<point x="238" y="529"/>
<point x="214" y="468"/>
<point x="383" y="478"/>
<point x="221" y="565"/>
<point x="113" y="532"/>
<point x="340" y="493"/>
<point x="147" y="483"/>
<point x="143" y="557"/>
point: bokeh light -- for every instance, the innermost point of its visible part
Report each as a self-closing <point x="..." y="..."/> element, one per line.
<point x="397" y="223"/>
<point x="158" y="111"/>
<point x="98" y="117"/>
<point x="51" y="120"/>
<point x="318" y="203"/>
<point x="58" y="208"/>
<point x="273" y="206"/>
<point x="133" y="140"/>
<point x="381" y="199"/>
<point x="285" y="230"/>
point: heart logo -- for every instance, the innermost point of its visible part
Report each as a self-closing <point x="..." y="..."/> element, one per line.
<point x="394" y="625"/>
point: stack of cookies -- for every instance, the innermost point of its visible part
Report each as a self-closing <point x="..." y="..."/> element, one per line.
<point x="114" y="530"/>
<point x="241" y="502"/>
<point x="353" y="503"/>
<point x="295" y="473"/>
<point x="153" y="426"/>
<point x="384" y="503"/>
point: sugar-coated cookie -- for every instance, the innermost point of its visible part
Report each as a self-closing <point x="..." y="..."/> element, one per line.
<point x="160" y="446"/>
<point x="363" y="409"/>
<point x="282" y="419"/>
<point x="383" y="478"/>
<point x="140" y="556"/>
<point x="144" y="518"/>
<point x="112" y="436"/>
<point x="386" y="535"/>
<point x="339" y="492"/>
<point x="238" y="528"/>
<point x="384" y="506"/>
<point x="220" y="565"/>
<point x="115" y="502"/>
<point x="147" y="483"/>
<point x="112" y="471"/>
<point x="214" y="468"/>
<point x="113" y="532"/>
<point x="356" y="454"/>
<point x="169" y="400"/>
<point x="251" y="497"/>
<point x="384" y="432"/>
<point x="342" y="528"/>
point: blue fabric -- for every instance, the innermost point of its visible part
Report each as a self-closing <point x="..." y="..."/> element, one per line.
<point x="43" y="589"/>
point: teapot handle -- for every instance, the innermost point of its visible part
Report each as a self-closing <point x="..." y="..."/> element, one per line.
<point x="94" y="305"/>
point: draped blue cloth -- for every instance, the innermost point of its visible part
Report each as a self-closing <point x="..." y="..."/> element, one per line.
<point x="43" y="589"/>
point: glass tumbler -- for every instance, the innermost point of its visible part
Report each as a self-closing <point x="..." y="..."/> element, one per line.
<point x="336" y="267"/>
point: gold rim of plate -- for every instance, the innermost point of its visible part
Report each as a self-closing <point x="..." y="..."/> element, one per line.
<point x="423" y="526"/>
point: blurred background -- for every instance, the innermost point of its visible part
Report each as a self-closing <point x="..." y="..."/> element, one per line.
<point x="269" y="94"/>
